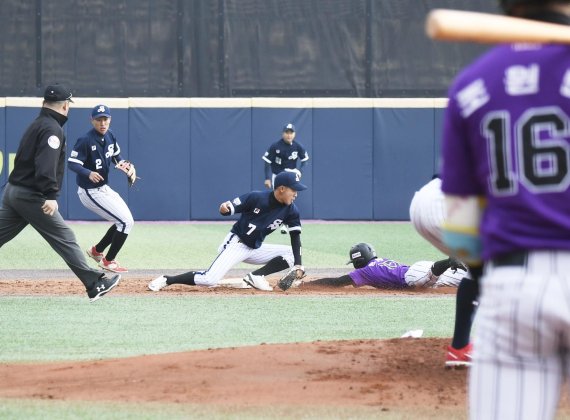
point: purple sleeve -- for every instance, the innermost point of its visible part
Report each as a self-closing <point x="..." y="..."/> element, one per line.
<point x="458" y="172"/>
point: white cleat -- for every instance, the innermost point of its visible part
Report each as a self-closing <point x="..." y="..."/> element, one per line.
<point x="157" y="284"/>
<point x="258" y="282"/>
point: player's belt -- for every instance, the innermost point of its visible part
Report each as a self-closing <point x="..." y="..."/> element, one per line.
<point x="511" y="259"/>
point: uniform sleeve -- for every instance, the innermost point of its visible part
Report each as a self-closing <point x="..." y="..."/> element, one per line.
<point x="458" y="172"/>
<point x="241" y="204"/>
<point x="303" y="155"/>
<point x="77" y="158"/>
<point x="293" y="220"/>
<point x="269" y="156"/>
<point x="46" y="160"/>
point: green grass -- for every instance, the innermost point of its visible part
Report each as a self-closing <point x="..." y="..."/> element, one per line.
<point x="194" y="245"/>
<point x="120" y="326"/>
<point x="64" y="410"/>
<point x="35" y="329"/>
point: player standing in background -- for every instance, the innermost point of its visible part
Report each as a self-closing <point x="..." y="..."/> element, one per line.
<point x="283" y="155"/>
<point x="427" y="213"/>
<point x="384" y="273"/>
<point x="261" y="213"/>
<point x="34" y="184"/>
<point x="506" y="178"/>
<point x="91" y="159"/>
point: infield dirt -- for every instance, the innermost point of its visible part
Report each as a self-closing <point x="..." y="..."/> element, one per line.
<point x="387" y="374"/>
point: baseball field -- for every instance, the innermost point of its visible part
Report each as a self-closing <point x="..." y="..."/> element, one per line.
<point x="189" y="352"/>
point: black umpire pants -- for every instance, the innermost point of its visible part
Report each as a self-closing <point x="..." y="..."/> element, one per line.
<point x="22" y="206"/>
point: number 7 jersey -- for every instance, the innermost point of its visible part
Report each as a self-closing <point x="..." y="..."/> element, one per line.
<point x="261" y="214"/>
<point x="506" y="137"/>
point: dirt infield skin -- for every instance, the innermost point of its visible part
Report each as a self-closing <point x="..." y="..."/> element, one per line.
<point x="388" y="374"/>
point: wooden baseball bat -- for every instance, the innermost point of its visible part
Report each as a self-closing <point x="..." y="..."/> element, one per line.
<point x="457" y="25"/>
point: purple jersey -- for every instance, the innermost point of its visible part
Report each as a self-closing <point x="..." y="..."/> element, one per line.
<point x="506" y="137"/>
<point x="381" y="273"/>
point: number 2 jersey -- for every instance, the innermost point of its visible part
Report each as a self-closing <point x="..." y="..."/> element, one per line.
<point x="507" y="137"/>
<point x="261" y="214"/>
<point x="94" y="153"/>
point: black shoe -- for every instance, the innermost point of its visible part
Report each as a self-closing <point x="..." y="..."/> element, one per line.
<point x="102" y="287"/>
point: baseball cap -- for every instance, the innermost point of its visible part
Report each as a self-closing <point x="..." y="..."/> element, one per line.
<point x="289" y="179"/>
<point x="289" y="127"/>
<point x="57" y="93"/>
<point x="100" y="111"/>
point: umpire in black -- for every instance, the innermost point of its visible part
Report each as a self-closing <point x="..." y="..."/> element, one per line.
<point x="34" y="185"/>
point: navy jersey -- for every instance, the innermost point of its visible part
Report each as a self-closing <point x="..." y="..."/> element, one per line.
<point x="261" y="214"/>
<point x="94" y="153"/>
<point x="506" y="137"/>
<point x="282" y="155"/>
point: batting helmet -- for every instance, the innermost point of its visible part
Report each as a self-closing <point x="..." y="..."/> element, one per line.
<point x="361" y="254"/>
<point x="507" y="5"/>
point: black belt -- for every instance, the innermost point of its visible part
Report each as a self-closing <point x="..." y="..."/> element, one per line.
<point x="512" y="259"/>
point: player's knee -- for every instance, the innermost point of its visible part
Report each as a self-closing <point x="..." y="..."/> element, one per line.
<point x="206" y="279"/>
<point x="289" y="258"/>
<point x="125" y="225"/>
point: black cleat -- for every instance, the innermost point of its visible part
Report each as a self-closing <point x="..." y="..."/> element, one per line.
<point x="103" y="286"/>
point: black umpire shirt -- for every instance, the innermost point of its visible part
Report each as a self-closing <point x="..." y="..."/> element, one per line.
<point x="40" y="160"/>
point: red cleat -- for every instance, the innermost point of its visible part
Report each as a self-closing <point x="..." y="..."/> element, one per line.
<point x="112" y="266"/>
<point x="97" y="256"/>
<point x="458" y="358"/>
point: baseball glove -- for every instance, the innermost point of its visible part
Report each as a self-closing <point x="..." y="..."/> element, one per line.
<point x="295" y="273"/>
<point x="129" y="169"/>
<point x="455" y="265"/>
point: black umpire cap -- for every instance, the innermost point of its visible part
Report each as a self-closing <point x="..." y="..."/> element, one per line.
<point x="57" y="93"/>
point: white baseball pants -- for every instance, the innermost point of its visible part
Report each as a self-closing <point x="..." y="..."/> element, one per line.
<point x="105" y="202"/>
<point x="232" y="252"/>
<point x="522" y="344"/>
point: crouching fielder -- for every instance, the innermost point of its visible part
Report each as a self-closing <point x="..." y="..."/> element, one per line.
<point x="262" y="212"/>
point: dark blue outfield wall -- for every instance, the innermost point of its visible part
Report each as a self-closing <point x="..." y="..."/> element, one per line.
<point x="367" y="156"/>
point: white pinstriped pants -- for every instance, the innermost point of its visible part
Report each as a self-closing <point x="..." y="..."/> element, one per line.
<point x="419" y="274"/>
<point x="232" y="252"/>
<point x="427" y="213"/>
<point x="108" y="204"/>
<point x="522" y="344"/>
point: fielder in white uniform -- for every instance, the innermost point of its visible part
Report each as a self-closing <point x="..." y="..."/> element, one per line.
<point x="91" y="159"/>
<point x="262" y="212"/>
<point x="428" y="213"/>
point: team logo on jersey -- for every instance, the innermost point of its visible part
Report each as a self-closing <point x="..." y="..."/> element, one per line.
<point x="522" y="80"/>
<point x="93" y="148"/>
<point x="277" y="151"/>
<point x="74" y="154"/>
<point x="276" y="223"/>
<point x="54" y="142"/>
<point x="236" y="201"/>
<point x="294" y="156"/>
<point x="111" y="151"/>
<point x="389" y="264"/>
<point x="256" y="211"/>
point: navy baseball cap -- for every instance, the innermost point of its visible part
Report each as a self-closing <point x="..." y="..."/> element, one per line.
<point x="57" y="93"/>
<point x="100" y="111"/>
<point x="289" y="179"/>
<point x="289" y="127"/>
